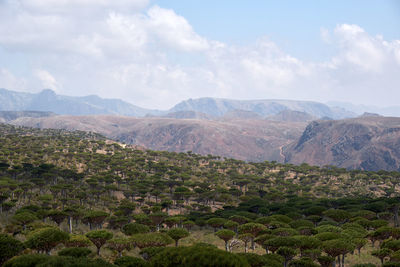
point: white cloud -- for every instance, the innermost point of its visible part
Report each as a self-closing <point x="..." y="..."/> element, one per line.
<point x="153" y="57"/>
<point x="174" y="30"/>
<point x="9" y="81"/>
<point x="78" y="7"/>
<point x="359" y="48"/>
<point x="47" y="80"/>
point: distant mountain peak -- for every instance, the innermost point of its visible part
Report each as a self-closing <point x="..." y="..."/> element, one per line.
<point x="49" y="100"/>
<point x="47" y="91"/>
<point x="218" y="107"/>
<point x="368" y="114"/>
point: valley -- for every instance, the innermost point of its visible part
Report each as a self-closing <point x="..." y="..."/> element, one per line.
<point x="367" y="143"/>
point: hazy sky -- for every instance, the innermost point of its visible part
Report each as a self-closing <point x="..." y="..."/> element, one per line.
<point x="156" y="53"/>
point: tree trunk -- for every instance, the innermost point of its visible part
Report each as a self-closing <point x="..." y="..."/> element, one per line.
<point x="98" y="251"/>
<point x="70" y="224"/>
<point x="227" y="245"/>
<point x="176" y="243"/>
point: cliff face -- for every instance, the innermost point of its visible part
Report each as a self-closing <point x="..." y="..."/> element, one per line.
<point x="369" y="143"/>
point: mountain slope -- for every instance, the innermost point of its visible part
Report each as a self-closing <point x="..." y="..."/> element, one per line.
<point x="187" y="115"/>
<point x="368" y="143"/>
<point x="391" y="111"/>
<point x="6" y="116"/>
<point x="253" y="140"/>
<point x="48" y="100"/>
<point x="219" y="107"/>
<point x="293" y="116"/>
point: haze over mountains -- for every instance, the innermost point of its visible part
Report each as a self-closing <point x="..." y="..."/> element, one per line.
<point x="48" y="100"/>
<point x="393" y="111"/>
<point x="280" y="130"/>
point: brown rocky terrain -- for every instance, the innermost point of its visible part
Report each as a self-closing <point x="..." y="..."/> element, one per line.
<point x="186" y="115"/>
<point x="245" y="139"/>
<point x="292" y="116"/>
<point x="6" y="116"/>
<point x="368" y="143"/>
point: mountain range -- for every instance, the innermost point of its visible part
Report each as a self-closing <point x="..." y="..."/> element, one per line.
<point x="219" y="107"/>
<point x="252" y="130"/>
<point x="391" y="111"/>
<point x="244" y="139"/>
<point x="48" y="100"/>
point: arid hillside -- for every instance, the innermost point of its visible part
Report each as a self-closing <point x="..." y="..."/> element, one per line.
<point x="252" y="140"/>
<point x="369" y="143"/>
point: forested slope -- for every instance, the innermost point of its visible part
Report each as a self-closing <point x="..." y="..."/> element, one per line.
<point x="97" y="202"/>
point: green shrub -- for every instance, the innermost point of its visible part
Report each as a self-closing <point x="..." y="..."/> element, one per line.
<point x="9" y="247"/>
<point x="127" y="261"/>
<point x="151" y="240"/>
<point x="391" y="264"/>
<point x="45" y="239"/>
<point x="40" y="260"/>
<point x="31" y="260"/>
<point x="99" y="238"/>
<point x="256" y="260"/>
<point x="303" y="262"/>
<point x="196" y="256"/>
<point x="150" y="252"/>
<point x="135" y="228"/>
<point x="75" y="252"/>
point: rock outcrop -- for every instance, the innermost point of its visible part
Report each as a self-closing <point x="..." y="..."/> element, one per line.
<point x="368" y="143"/>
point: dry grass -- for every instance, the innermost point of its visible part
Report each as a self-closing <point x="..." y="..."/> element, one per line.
<point x="365" y="257"/>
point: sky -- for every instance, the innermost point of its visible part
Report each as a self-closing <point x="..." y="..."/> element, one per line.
<point x="155" y="53"/>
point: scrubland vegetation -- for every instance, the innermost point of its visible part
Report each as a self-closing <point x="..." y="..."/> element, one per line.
<point x="77" y="199"/>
